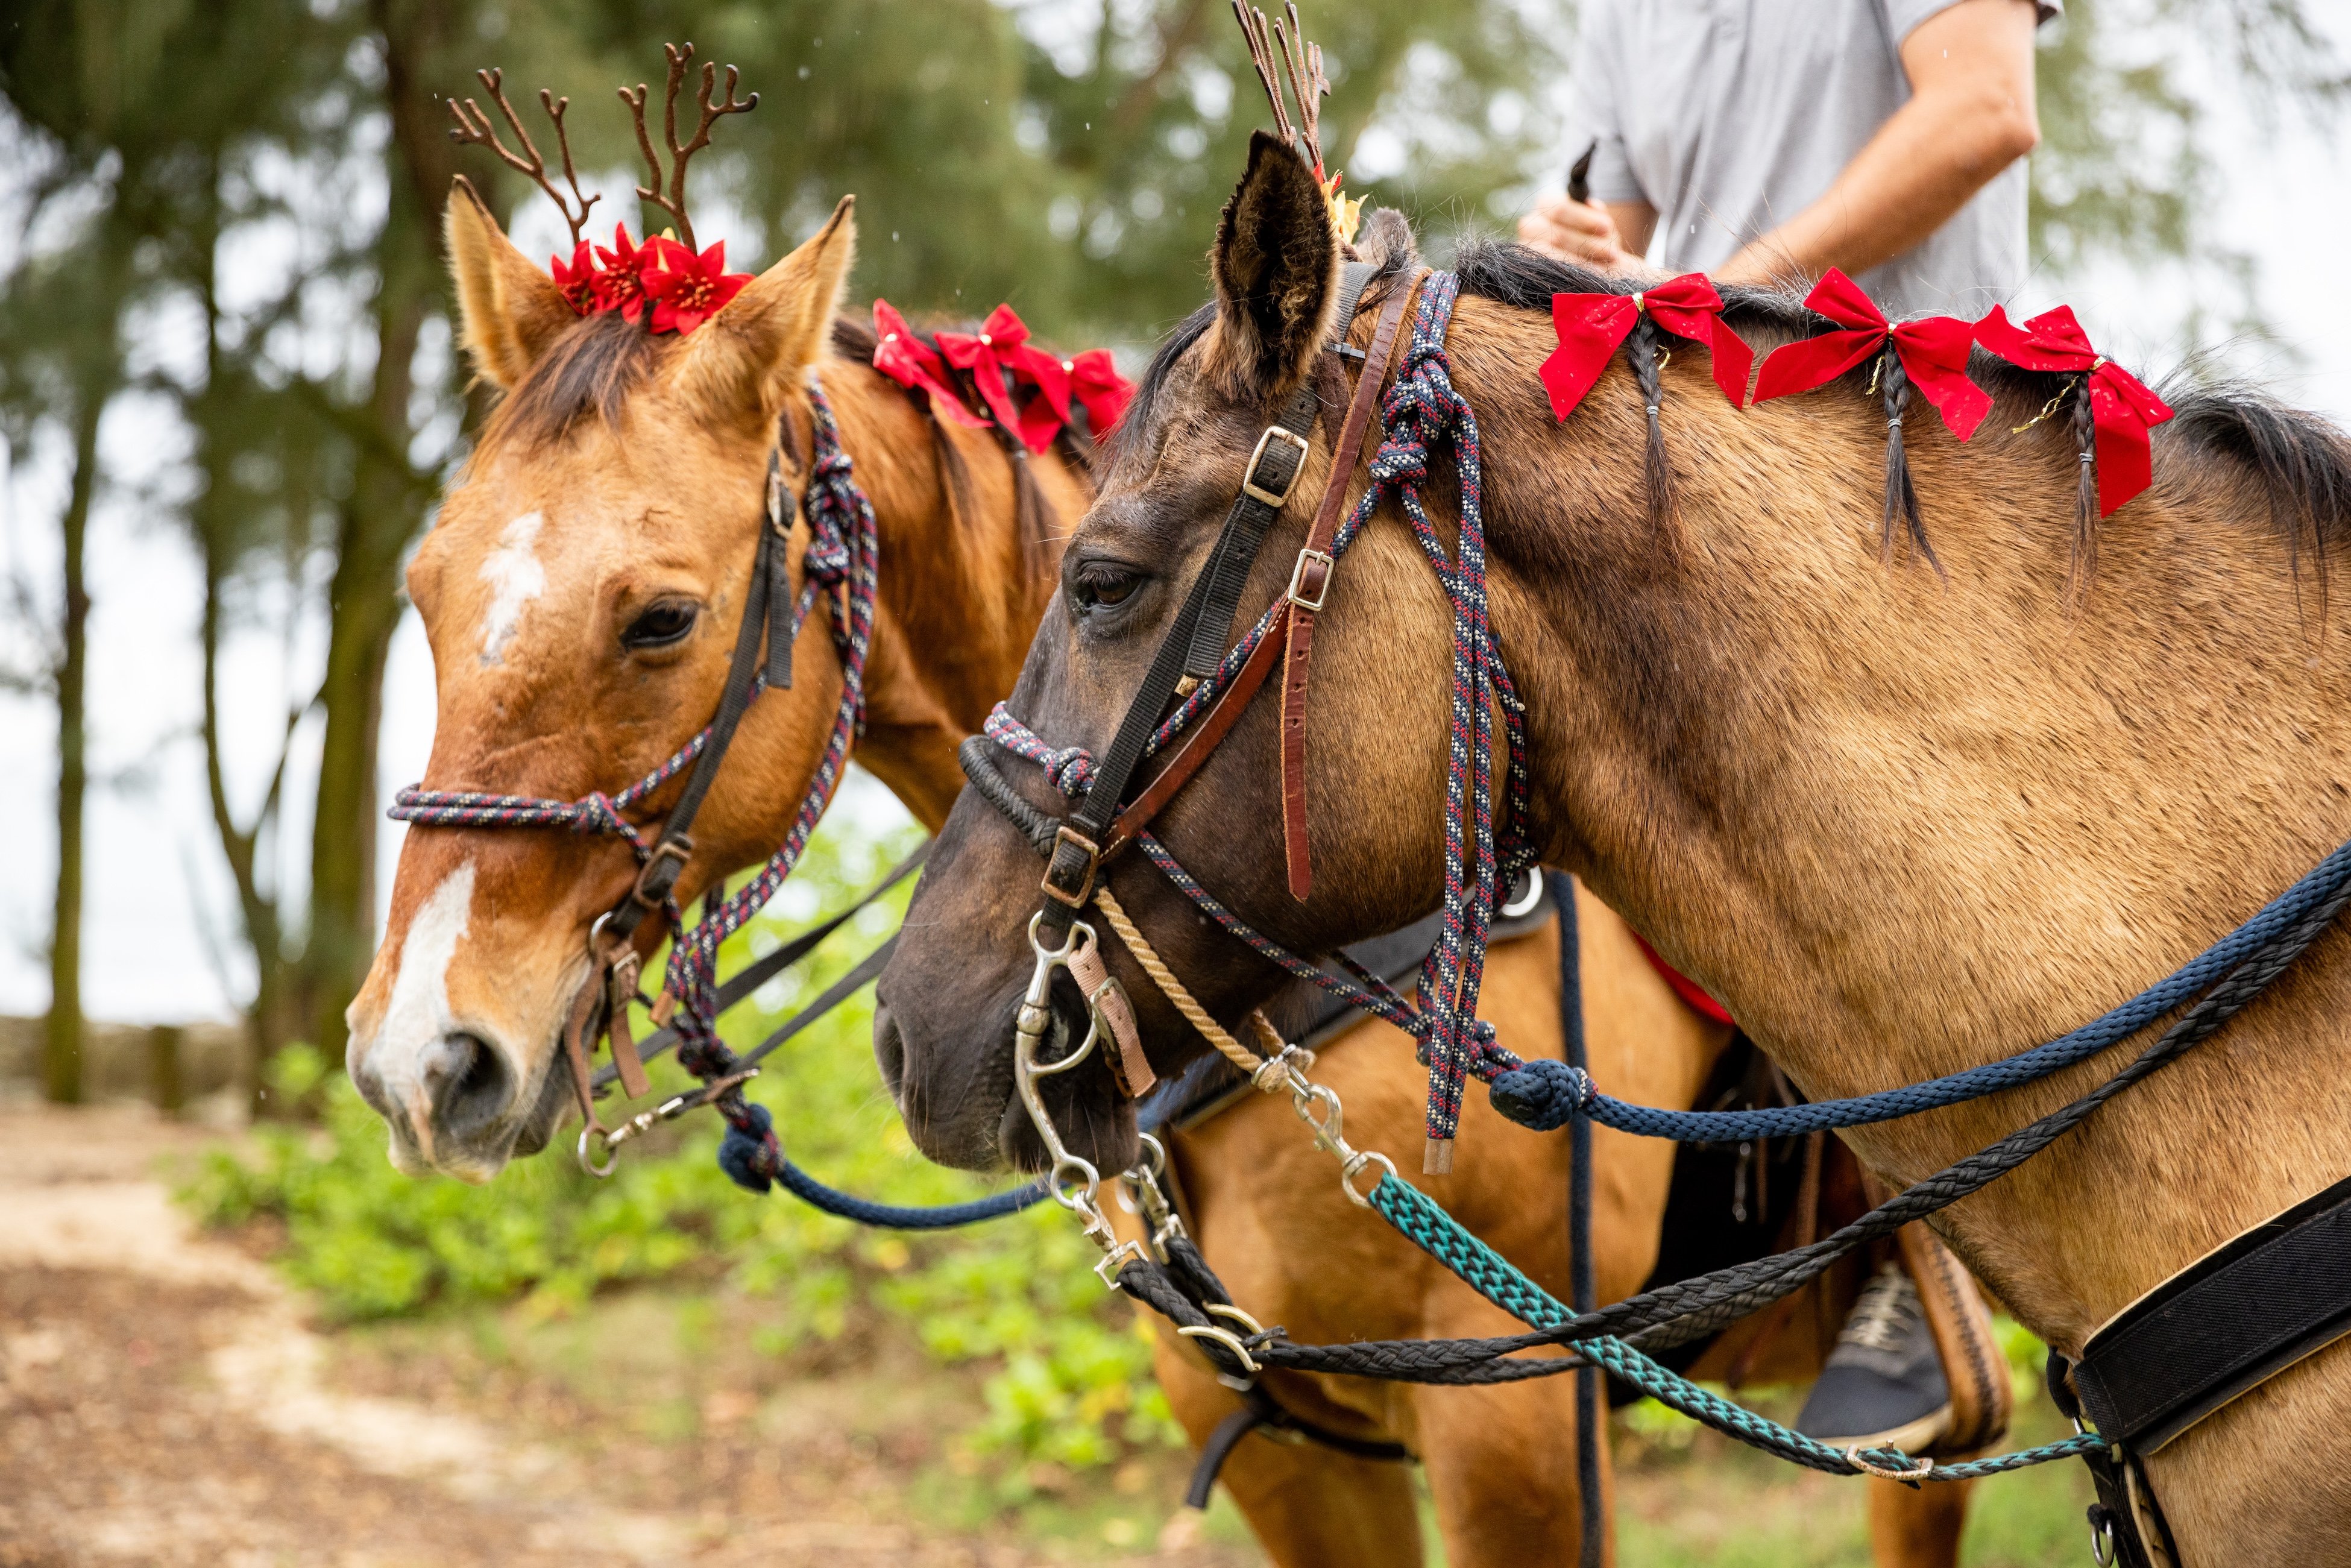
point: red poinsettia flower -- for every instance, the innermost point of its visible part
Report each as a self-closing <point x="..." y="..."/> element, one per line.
<point x="687" y="289"/>
<point x="577" y="281"/>
<point x="619" y="285"/>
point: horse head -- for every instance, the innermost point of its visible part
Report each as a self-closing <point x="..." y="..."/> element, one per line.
<point x="581" y="590"/>
<point x="1377" y="767"/>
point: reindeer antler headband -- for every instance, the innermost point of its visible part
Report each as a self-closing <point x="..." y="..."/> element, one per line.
<point x="668" y="187"/>
<point x="1284" y="57"/>
<point x="665" y="283"/>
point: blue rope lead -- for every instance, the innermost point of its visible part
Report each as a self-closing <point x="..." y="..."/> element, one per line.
<point x="743" y="1157"/>
<point x="1492" y="1276"/>
<point x="1544" y="1093"/>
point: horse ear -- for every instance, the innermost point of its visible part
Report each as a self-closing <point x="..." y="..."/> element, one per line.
<point x="750" y="355"/>
<point x="510" y="310"/>
<point x="1276" y="265"/>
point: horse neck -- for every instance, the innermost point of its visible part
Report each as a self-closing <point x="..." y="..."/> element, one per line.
<point x="960" y="587"/>
<point x="1904" y="823"/>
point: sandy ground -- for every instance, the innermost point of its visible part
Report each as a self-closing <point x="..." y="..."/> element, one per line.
<point x="163" y="1401"/>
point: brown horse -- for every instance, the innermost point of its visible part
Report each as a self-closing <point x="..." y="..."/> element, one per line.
<point x="1902" y="820"/>
<point x="568" y="529"/>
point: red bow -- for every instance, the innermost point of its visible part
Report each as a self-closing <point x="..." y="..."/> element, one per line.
<point x="1591" y="326"/>
<point x="911" y="362"/>
<point x="2122" y="409"/>
<point x="1934" y="353"/>
<point x="1002" y="347"/>
<point x="1095" y="382"/>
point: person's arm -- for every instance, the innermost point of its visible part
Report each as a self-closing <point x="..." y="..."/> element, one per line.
<point x="1613" y="236"/>
<point x="1971" y="115"/>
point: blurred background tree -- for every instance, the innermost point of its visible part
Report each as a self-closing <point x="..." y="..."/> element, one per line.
<point x="230" y="212"/>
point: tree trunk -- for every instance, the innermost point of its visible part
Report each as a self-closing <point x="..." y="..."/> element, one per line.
<point x="386" y="503"/>
<point x="61" y="1047"/>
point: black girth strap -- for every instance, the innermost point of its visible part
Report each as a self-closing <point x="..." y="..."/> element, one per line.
<point x="2237" y="1317"/>
<point x="1197" y="641"/>
<point x="2126" y="1508"/>
<point x="1261" y="1410"/>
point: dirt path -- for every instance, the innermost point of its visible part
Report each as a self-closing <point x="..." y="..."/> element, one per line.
<point x="162" y="1401"/>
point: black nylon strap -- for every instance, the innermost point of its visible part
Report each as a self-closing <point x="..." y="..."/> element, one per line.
<point x="1233" y="555"/>
<point x="670" y="850"/>
<point x="1227" y="570"/>
<point x="754" y="975"/>
<point x="780" y="578"/>
<point x="1220" y="582"/>
<point x="1582" y="1277"/>
<point x="2237" y="1317"/>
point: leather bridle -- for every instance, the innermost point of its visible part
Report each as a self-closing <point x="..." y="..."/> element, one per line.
<point x="772" y="618"/>
<point x="1106" y="821"/>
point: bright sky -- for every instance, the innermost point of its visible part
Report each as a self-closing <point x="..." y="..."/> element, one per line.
<point x="160" y="939"/>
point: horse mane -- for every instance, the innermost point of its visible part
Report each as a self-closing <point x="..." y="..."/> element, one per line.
<point x="590" y="369"/>
<point x="1039" y="528"/>
<point x="2298" y="462"/>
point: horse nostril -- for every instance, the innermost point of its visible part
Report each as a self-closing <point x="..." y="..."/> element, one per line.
<point x="889" y="1048"/>
<point x="468" y="1082"/>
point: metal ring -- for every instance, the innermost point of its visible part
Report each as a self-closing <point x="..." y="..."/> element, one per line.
<point x="1520" y="903"/>
<point x="612" y="1158"/>
<point x="1155" y="1152"/>
<point x="1083" y="1191"/>
<point x="2102" y="1542"/>
<point x="1886" y="1472"/>
<point x="1225" y="1337"/>
<point x="1227" y="1310"/>
<point x="1069" y="944"/>
<point x="1354" y="1169"/>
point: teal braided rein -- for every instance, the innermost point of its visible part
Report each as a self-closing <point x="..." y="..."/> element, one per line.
<point x="1426" y="1225"/>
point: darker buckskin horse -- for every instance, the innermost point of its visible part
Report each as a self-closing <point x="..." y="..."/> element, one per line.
<point x="1904" y="817"/>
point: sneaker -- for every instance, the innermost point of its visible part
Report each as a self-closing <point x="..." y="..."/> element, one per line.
<point x="1884" y="1386"/>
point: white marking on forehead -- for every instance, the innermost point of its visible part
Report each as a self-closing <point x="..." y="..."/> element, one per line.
<point x="516" y="578"/>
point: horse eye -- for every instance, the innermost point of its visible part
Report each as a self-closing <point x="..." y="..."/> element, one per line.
<point x="660" y="625"/>
<point x="1099" y="585"/>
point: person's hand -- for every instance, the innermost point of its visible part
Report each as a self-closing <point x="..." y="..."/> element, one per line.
<point x="1580" y="232"/>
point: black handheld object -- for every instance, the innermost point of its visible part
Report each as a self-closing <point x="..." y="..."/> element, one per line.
<point x="1579" y="175"/>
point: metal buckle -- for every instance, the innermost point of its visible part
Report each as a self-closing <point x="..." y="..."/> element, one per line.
<point x="1297" y="571"/>
<point x="680" y="850"/>
<point x="1092" y="852"/>
<point x="1257" y="492"/>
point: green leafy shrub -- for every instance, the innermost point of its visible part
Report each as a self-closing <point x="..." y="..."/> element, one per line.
<point x="1070" y="1383"/>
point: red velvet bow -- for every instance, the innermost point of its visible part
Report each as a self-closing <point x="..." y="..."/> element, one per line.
<point x="2122" y="409"/>
<point x="911" y="362"/>
<point x="1095" y="382"/>
<point x="1591" y="326"/>
<point x="1002" y="347"/>
<point x="1934" y="353"/>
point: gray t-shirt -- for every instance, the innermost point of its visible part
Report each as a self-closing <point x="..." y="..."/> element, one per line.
<point x="1729" y="117"/>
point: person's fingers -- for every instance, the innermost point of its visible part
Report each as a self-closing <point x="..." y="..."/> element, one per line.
<point x="1537" y="231"/>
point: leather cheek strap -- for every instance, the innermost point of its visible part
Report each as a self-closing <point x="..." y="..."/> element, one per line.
<point x="1310" y="583"/>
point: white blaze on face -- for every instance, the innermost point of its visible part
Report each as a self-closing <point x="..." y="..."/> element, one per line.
<point x="516" y="578"/>
<point x="417" y="1019"/>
